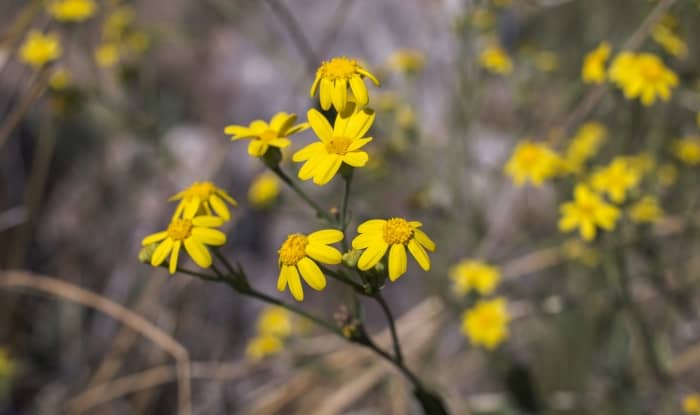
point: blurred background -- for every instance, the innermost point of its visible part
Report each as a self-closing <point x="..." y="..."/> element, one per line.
<point x="94" y="142"/>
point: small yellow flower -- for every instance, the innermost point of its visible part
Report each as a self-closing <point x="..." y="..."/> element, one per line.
<point x="377" y="236"/>
<point x="670" y="41"/>
<point x="339" y="144"/>
<point x="622" y="67"/>
<point x="646" y="77"/>
<point x="195" y="233"/>
<point x="117" y="21"/>
<point x="7" y="366"/>
<point x="532" y="161"/>
<point x="333" y="79"/>
<point x="263" y="346"/>
<point x="496" y="60"/>
<point x="39" y="49"/>
<point x="667" y="174"/>
<point x="138" y="41"/>
<point x="687" y="150"/>
<point x="470" y="274"/>
<point x="264" y="135"/>
<point x="486" y="324"/>
<point x="72" y="10"/>
<point x="691" y="404"/>
<point x="206" y="197"/>
<point x="264" y="190"/>
<point x="297" y="255"/>
<point x="593" y="70"/>
<point x="275" y="321"/>
<point x="646" y="210"/>
<point x="586" y="212"/>
<point x="59" y="79"/>
<point x="407" y="61"/>
<point x="643" y="163"/>
<point x="616" y="179"/>
<point x="584" y="145"/>
<point x="107" y="54"/>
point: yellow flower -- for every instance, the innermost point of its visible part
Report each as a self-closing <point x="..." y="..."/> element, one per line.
<point x="646" y="210"/>
<point x="116" y="22"/>
<point x="667" y="174"/>
<point x="204" y="196"/>
<point x="264" y="190"/>
<point x="338" y="144"/>
<point x="643" y="163"/>
<point x="59" y="79"/>
<point x="39" y="49"/>
<point x="576" y="250"/>
<point x="470" y="274"/>
<point x="670" y="41"/>
<point x="687" y="150"/>
<point x="486" y="324"/>
<point x="616" y="179"/>
<point x="263" y="346"/>
<point x="532" y="161"/>
<point x="586" y="212"/>
<point x="275" y="321"/>
<point x="138" y="42"/>
<point x="482" y="18"/>
<point x="584" y="145"/>
<point x="72" y="10"/>
<point x="646" y="77"/>
<point x="333" y="78"/>
<point x="377" y="236"/>
<point x="593" y="70"/>
<point x="107" y="54"/>
<point x="193" y="232"/>
<point x="264" y="135"/>
<point x="691" y="404"/>
<point x="7" y="366"/>
<point x="297" y="255"/>
<point x="407" y="60"/>
<point x="621" y="68"/>
<point x="496" y="60"/>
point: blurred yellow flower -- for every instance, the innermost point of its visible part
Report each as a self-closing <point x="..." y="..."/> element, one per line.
<point x="482" y="18"/>
<point x="645" y="77"/>
<point x="39" y="49"/>
<point x="117" y="21"/>
<point x="107" y="55"/>
<point x="333" y="78"/>
<point x="263" y="346"/>
<point x="405" y="117"/>
<point x="496" y="60"/>
<point x="532" y="161"/>
<point x="377" y="236"/>
<point x="667" y="174"/>
<point x="195" y="233"/>
<point x="407" y="60"/>
<point x="646" y="210"/>
<point x="584" y="145"/>
<point x="593" y="70"/>
<point x="621" y="66"/>
<point x="691" y="404"/>
<point x="643" y="163"/>
<point x="486" y="324"/>
<point x="71" y="10"/>
<point x="264" y="135"/>
<point x="138" y="41"/>
<point x="616" y="179"/>
<point x="577" y="250"/>
<point x="297" y="255"/>
<point x="59" y="79"/>
<point x="339" y="144"/>
<point x="206" y="198"/>
<point x="264" y="190"/>
<point x="586" y="212"/>
<point x="275" y="321"/>
<point x="7" y="366"/>
<point x="470" y="274"/>
<point x="687" y="150"/>
<point x="670" y="41"/>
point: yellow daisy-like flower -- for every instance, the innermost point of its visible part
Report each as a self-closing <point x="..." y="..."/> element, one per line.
<point x="264" y="135"/>
<point x="496" y="60"/>
<point x="646" y="210"/>
<point x="593" y="69"/>
<point x="107" y="54"/>
<point x="470" y="274"/>
<point x="486" y="324"/>
<point x="616" y="179"/>
<point x="39" y="49"/>
<point x="264" y="190"/>
<point x="687" y="150"/>
<point x="586" y="212"/>
<point x="670" y="41"/>
<point x="407" y="60"/>
<point x="584" y="145"/>
<point x="275" y="321"/>
<point x="263" y="346"/>
<point x="60" y="79"/>
<point x="72" y="10"/>
<point x="195" y="233"/>
<point x="646" y="77"/>
<point x="339" y="144"/>
<point x="297" y="255"/>
<point x="333" y="78"/>
<point x="208" y="197"/>
<point x="377" y="236"/>
<point x="622" y="67"/>
<point x="691" y="404"/>
<point x="532" y="161"/>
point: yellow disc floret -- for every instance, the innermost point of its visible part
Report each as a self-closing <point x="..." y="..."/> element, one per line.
<point x="293" y="249"/>
<point x="397" y="231"/>
<point x="338" y="68"/>
<point x="179" y="229"/>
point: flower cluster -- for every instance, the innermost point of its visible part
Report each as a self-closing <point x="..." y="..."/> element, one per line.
<point x="273" y="327"/>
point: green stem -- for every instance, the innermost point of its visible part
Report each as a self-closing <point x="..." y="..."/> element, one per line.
<point x="289" y="182"/>
<point x="340" y="276"/>
<point x="344" y="207"/>
<point x="392" y="326"/>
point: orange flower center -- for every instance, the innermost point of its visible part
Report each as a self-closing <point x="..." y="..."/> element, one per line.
<point x="397" y="231"/>
<point x="179" y="229"/>
<point x="338" y="68"/>
<point x="338" y="145"/>
<point x="652" y="71"/>
<point x="293" y="249"/>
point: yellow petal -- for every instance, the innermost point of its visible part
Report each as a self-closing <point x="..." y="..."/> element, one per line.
<point x="424" y="240"/>
<point x="356" y="158"/>
<point x="257" y="148"/>
<point x="320" y="125"/>
<point x="238" y="132"/>
<point x="282" y="121"/>
<point x="161" y="252"/>
<point x="327" y="169"/>
<point x="209" y="236"/>
<point x="312" y="274"/>
<point x="191" y="208"/>
<point x="359" y="143"/>
<point x="155" y="237"/>
<point x="308" y="151"/>
<point x="325" y="93"/>
<point x="340" y="94"/>
<point x="280" y="142"/>
<point x="372" y="225"/>
<point x="324" y="253"/>
<point x="419" y="254"/>
<point x="372" y="255"/>
<point x="174" y="256"/>
<point x="199" y="253"/>
<point x="325" y="236"/>
<point x="294" y="283"/>
<point x="369" y="75"/>
<point x="359" y="90"/>
<point x="307" y="170"/>
<point x="282" y="279"/>
<point x="220" y="207"/>
<point x="397" y="261"/>
<point x="364" y="240"/>
<point x="314" y="86"/>
<point x="360" y="123"/>
<point x="207" y="221"/>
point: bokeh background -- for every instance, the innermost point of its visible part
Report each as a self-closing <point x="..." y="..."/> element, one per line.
<point x="86" y="171"/>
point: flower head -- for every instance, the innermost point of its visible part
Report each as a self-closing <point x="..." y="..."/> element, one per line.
<point x="496" y="60"/>
<point x="671" y="42"/>
<point x="532" y="161"/>
<point x="297" y="255"/>
<point x="407" y="60"/>
<point x="60" y="79"/>
<point x="616" y="179"/>
<point x="584" y="145"/>
<point x="275" y="321"/>
<point x="643" y="76"/>
<point x="691" y="404"/>
<point x="377" y="236"/>
<point x="71" y="10"/>
<point x="39" y="49"/>
<point x="206" y="197"/>
<point x="334" y="77"/>
<point x="470" y="274"/>
<point x="593" y="70"/>
<point x="195" y="233"/>
<point x="486" y="324"/>
<point x="646" y="210"/>
<point x="107" y="54"/>
<point x="264" y="190"/>
<point x="687" y="150"/>
<point x="264" y="135"/>
<point x="667" y="174"/>
<point x="586" y="212"/>
<point x="263" y="346"/>
<point x="339" y="144"/>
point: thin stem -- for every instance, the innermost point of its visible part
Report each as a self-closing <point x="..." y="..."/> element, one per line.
<point x="392" y="326"/>
<point x="289" y="182"/>
<point x="223" y="259"/>
<point x="344" y="206"/>
<point x="341" y="276"/>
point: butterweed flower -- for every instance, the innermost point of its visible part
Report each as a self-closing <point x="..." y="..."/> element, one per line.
<point x="264" y="190"/>
<point x="470" y="274"/>
<point x="263" y="346"/>
<point x="587" y="212"/>
<point x="117" y="22"/>
<point x="496" y="60"/>
<point x="195" y="233"/>
<point x="339" y="144"/>
<point x="204" y="197"/>
<point x="59" y="79"/>
<point x="72" y="10"/>
<point x="39" y="49"/>
<point x="297" y="255"/>
<point x="334" y="77"/>
<point x="621" y="67"/>
<point x="616" y="179"/>
<point x="532" y="161"/>
<point x="687" y="150"/>
<point x="407" y="60"/>
<point x="667" y="174"/>
<point x="486" y="324"/>
<point x="645" y="76"/>
<point x="593" y="69"/>
<point x="646" y="210"/>
<point x="275" y="321"/>
<point x="691" y="404"/>
<point x="669" y="41"/>
<point x="377" y="236"/>
<point x="264" y="135"/>
<point x="107" y="54"/>
<point x="584" y="145"/>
